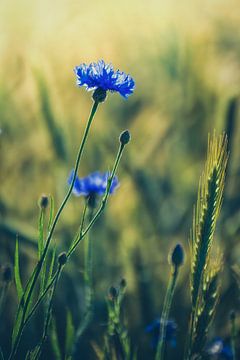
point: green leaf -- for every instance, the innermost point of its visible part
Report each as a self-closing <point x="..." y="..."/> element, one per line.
<point x="69" y="335"/>
<point x="17" y="272"/>
<point x="41" y="233"/>
<point x="51" y="212"/>
<point x="19" y="316"/>
<point x="55" y="341"/>
<point x="50" y="272"/>
<point x="32" y="354"/>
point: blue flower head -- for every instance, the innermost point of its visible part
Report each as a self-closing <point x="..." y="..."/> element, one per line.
<point x="219" y="349"/>
<point x="155" y="329"/>
<point x="93" y="184"/>
<point x="102" y="76"/>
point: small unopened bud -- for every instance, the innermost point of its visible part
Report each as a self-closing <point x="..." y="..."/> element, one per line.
<point x="99" y="95"/>
<point x="112" y="293"/>
<point x="7" y="273"/>
<point x="123" y="283"/>
<point x="177" y="256"/>
<point x="125" y="137"/>
<point x="62" y="258"/>
<point x="43" y="202"/>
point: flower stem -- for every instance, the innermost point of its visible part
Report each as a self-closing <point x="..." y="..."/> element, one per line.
<point x="233" y="336"/>
<point x="38" y="267"/>
<point x="82" y="234"/>
<point x="103" y="202"/>
<point x="48" y="313"/>
<point x="165" y="313"/>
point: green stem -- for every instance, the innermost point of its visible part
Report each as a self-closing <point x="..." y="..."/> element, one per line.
<point x="188" y="346"/>
<point x="88" y="269"/>
<point x="88" y="257"/>
<point x="82" y="234"/>
<point x="2" y="297"/>
<point x="165" y="314"/>
<point x="88" y="288"/>
<point x="48" y="313"/>
<point x="103" y="203"/>
<point x="40" y="299"/>
<point x="47" y="243"/>
<point x="233" y="337"/>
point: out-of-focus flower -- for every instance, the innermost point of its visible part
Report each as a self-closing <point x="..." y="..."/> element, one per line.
<point x="155" y="329"/>
<point x="102" y="76"/>
<point x="219" y="349"/>
<point x="93" y="184"/>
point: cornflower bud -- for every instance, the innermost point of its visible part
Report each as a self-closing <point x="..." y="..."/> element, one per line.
<point x="43" y="202"/>
<point x="123" y="283"/>
<point x="125" y="137"/>
<point x="177" y="256"/>
<point x="112" y="293"/>
<point x="62" y="259"/>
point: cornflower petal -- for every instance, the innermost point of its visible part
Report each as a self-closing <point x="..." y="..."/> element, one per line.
<point x="102" y="75"/>
<point x="93" y="184"/>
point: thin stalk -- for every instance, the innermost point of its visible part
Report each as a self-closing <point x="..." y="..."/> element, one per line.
<point x="48" y="313"/>
<point x="88" y="282"/>
<point x="165" y="314"/>
<point x="41" y="260"/>
<point x="82" y="234"/>
<point x="102" y="205"/>
<point x="75" y="239"/>
<point x="40" y="299"/>
<point x="233" y="336"/>
<point x="2" y="297"/>
<point x="88" y="267"/>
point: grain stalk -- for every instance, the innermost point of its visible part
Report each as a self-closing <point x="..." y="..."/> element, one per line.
<point x="206" y="213"/>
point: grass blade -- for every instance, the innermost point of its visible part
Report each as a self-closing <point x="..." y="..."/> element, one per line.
<point x="69" y="335"/>
<point x="17" y="272"/>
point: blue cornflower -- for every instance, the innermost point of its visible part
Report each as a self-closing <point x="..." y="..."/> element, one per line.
<point x="102" y="76"/>
<point x="219" y="349"/>
<point x="93" y="184"/>
<point x="155" y="329"/>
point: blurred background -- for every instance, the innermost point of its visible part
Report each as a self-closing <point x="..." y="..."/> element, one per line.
<point x="185" y="59"/>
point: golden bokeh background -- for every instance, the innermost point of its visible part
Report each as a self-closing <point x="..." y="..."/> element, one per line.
<point x="185" y="59"/>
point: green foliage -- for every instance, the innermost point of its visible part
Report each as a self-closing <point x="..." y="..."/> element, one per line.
<point x="55" y="341"/>
<point x="117" y="343"/>
<point x="177" y="258"/>
<point x="54" y="131"/>
<point x="69" y="337"/>
<point x="17" y="272"/>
